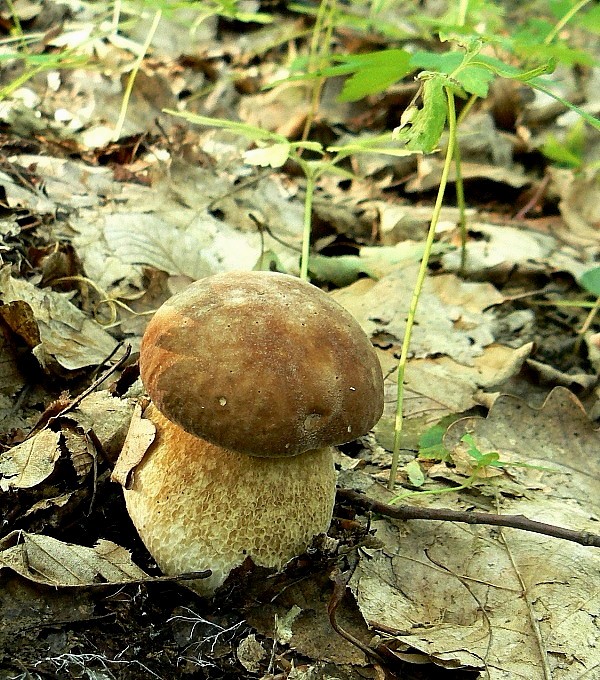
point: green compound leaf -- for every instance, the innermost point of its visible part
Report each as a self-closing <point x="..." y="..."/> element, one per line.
<point x="374" y="72"/>
<point x="423" y="128"/>
<point x="475" y="80"/>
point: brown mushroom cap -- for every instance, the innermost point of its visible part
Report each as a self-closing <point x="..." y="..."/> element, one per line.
<point x="197" y="506"/>
<point x="261" y="363"/>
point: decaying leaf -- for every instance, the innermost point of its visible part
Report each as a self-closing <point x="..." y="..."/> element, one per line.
<point x="459" y="329"/>
<point x="140" y="436"/>
<point x="80" y="449"/>
<point x="51" y="562"/>
<point x="67" y="335"/>
<point x="108" y="417"/>
<point x="439" y="386"/>
<point x="502" y="248"/>
<point x="504" y="602"/>
<point x="171" y="226"/>
<point x="31" y="462"/>
<point x="11" y="378"/>
<point x="559" y="433"/>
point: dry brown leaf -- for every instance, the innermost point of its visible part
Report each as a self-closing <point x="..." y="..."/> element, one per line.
<point x="108" y="417"/>
<point x="30" y="463"/>
<point x="459" y="331"/>
<point x="67" y="335"/>
<point x="80" y="449"/>
<point x="579" y="205"/>
<point x="559" y="433"/>
<point x="51" y="562"/>
<point x="508" y="603"/>
<point x="437" y="387"/>
<point x="140" y="436"/>
<point x="11" y="379"/>
<point x="430" y="173"/>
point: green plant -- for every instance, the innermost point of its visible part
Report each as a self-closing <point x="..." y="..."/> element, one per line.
<point x="566" y="152"/>
<point x="481" y="463"/>
<point x="273" y="150"/>
<point x="473" y="59"/>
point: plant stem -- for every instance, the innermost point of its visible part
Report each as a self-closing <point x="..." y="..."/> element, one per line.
<point x="318" y="57"/>
<point x="463" y="8"/>
<point x="311" y="178"/>
<point x="133" y="75"/>
<point x="589" y="320"/>
<point x="419" y="285"/>
<point x="460" y="202"/>
<point x="567" y="17"/>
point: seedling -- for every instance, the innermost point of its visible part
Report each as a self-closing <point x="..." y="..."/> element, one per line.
<point x="432" y="448"/>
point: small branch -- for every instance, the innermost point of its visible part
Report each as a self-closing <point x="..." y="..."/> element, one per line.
<point x="445" y="515"/>
<point x="341" y="580"/>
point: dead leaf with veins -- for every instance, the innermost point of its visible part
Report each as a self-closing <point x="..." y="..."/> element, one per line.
<point x="139" y="438"/>
<point x="472" y="596"/>
<point x="48" y="561"/>
<point x="66" y="334"/>
<point x="30" y="463"/>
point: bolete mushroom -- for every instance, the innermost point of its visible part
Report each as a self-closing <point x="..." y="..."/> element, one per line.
<point x="253" y="376"/>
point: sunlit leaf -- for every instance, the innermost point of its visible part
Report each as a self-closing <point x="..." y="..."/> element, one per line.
<point x="426" y="127"/>
<point x="590" y="280"/>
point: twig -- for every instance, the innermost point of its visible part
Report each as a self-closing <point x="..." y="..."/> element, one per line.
<point x="446" y="515"/>
<point x="341" y="580"/>
<point x="538" y="193"/>
<point x="51" y="415"/>
<point x="189" y="576"/>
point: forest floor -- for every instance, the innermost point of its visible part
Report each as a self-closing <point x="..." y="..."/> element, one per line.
<point x="110" y="204"/>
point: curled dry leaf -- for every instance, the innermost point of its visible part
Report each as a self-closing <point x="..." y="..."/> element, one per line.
<point x="140" y="436"/>
<point x="51" y="562"/>
<point x="66" y="334"/>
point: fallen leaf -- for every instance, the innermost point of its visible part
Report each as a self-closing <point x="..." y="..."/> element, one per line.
<point x="30" y="463"/>
<point x="559" y="433"/>
<point x="140" y="436"/>
<point x="473" y="597"/>
<point x="67" y="335"/>
<point x="442" y="327"/>
<point x="51" y="562"/>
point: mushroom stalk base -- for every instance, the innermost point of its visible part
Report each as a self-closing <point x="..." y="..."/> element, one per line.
<point x="198" y="506"/>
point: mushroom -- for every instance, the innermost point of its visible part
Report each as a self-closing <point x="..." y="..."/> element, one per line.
<point x="253" y="377"/>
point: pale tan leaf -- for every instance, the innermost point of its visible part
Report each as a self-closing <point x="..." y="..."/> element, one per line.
<point x="140" y="436"/>
<point x="30" y="463"/>
<point x="46" y="560"/>
<point x="67" y="335"/>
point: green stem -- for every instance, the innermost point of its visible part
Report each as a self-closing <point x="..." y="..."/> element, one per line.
<point x="419" y="285"/>
<point x="133" y="75"/>
<point x="567" y="17"/>
<point x="463" y="8"/>
<point x="589" y="320"/>
<point x="311" y="179"/>
<point x="460" y="189"/>
<point x="460" y="202"/>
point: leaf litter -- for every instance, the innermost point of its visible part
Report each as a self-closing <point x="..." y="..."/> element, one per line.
<point x="172" y="203"/>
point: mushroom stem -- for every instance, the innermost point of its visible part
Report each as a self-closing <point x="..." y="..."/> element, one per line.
<point x="218" y="508"/>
